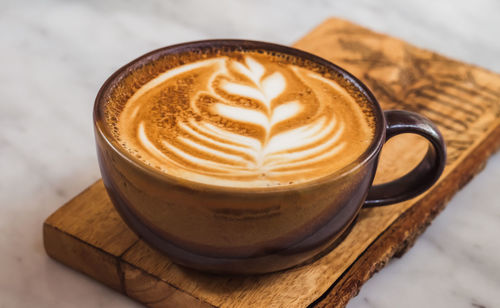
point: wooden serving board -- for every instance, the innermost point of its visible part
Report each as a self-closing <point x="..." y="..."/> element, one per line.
<point x="463" y="100"/>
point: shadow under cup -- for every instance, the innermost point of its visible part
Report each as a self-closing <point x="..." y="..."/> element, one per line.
<point x="252" y="230"/>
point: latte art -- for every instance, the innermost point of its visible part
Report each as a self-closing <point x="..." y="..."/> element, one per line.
<point x="244" y="120"/>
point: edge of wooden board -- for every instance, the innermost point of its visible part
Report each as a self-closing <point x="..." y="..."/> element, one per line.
<point x="118" y="275"/>
<point x="400" y="236"/>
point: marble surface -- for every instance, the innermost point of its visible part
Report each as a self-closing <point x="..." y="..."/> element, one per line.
<point x="56" y="54"/>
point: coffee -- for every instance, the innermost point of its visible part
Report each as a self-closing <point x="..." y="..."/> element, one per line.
<point x="234" y="156"/>
<point x="242" y="119"/>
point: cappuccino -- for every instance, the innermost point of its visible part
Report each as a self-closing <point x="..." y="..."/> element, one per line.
<point x="241" y="119"/>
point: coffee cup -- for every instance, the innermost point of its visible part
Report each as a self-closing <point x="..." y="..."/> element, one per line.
<point x="245" y="157"/>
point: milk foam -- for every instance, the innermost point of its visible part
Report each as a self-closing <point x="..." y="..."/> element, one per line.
<point x="244" y="120"/>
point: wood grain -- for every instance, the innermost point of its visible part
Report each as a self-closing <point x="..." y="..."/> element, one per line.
<point x="463" y="100"/>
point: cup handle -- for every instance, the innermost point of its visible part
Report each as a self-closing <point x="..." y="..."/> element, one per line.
<point x="425" y="174"/>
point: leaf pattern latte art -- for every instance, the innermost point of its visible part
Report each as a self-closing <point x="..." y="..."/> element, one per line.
<point x="244" y="122"/>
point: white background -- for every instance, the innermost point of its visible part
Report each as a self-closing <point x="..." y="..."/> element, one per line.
<point x="54" y="55"/>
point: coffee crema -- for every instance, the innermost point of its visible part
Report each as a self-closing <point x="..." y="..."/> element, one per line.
<point x="244" y="119"/>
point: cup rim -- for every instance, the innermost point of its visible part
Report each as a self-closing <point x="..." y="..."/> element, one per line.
<point x="238" y="44"/>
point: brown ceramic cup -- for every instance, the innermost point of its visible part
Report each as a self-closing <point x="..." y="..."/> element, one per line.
<point x="254" y="230"/>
